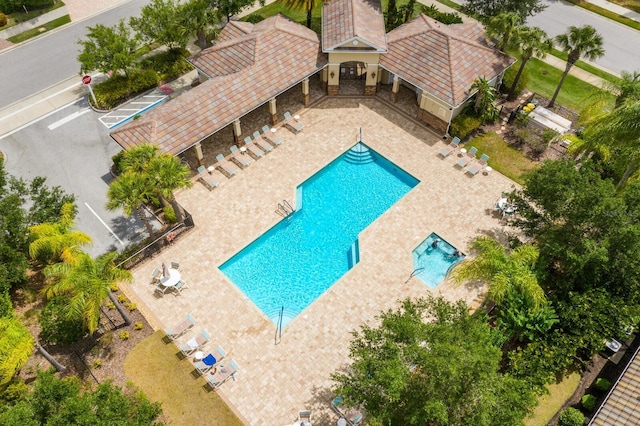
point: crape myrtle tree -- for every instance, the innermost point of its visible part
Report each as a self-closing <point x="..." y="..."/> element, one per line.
<point x="431" y="362"/>
<point x="163" y="21"/>
<point x="488" y="8"/>
<point x="109" y="48"/>
<point x="230" y="8"/>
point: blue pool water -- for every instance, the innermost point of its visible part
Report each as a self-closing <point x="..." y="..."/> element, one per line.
<point x="297" y="260"/>
<point x="432" y="264"/>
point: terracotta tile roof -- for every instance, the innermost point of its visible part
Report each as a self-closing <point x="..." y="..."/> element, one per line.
<point x="622" y="405"/>
<point x="442" y="59"/>
<point x="248" y="71"/>
<point x="234" y="29"/>
<point x="347" y="20"/>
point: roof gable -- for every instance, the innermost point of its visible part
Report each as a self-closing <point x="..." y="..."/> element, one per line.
<point x="282" y="54"/>
<point x="442" y="59"/>
<point x="346" y="20"/>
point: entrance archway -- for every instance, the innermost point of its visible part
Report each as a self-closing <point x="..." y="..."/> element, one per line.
<point x="353" y="75"/>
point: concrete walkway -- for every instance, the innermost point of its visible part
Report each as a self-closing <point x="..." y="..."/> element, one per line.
<point x="612" y="7"/>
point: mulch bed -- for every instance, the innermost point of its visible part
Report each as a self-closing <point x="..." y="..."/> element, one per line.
<point x="105" y="345"/>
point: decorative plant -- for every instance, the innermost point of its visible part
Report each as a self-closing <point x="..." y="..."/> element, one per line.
<point x="97" y="363"/>
<point x="131" y="306"/>
<point x="571" y="417"/>
<point x="602" y="384"/>
<point x="138" y="326"/>
<point x="122" y="298"/>
<point x="124" y="335"/>
<point x="588" y="402"/>
<point x="114" y="287"/>
<point x="111" y="305"/>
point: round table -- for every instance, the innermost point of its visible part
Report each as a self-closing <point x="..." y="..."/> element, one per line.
<point x="198" y="356"/>
<point x="273" y="130"/>
<point x="172" y="279"/>
<point x="243" y="149"/>
<point x="211" y="169"/>
<point x="342" y="421"/>
<point x="488" y="169"/>
<point x="296" y="117"/>
<point x="463" y="150"/>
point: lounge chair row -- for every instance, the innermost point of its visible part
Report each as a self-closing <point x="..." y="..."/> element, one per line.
<point x="467" y="158"/>
<point x="351" y="415"/>
<point x="215" y="372"/>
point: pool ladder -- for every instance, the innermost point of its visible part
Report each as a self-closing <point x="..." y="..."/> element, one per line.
<point x="284" y="209"/>
<point x="414" y="273"/>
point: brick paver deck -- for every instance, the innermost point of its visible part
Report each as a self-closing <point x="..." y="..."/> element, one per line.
<point x="275" y="381"/>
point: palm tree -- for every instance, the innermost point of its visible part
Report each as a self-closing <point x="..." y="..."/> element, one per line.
<point x="16" y="346"/>
<point x="130" y="191"/>
<point x="628" y="87"/>
<point x="532" y="42"/>
<point x="485" y="96"/>
<point x="307" y="5"/>
<point x="88" y="284"/>
<point x="503" y="28"/>
<point x="55" y="242"/>
<point x="170" y="174"/>
<point x="505" y="271"/>
<point x="408" y="10"/>
<point x="620" y="130"/>
<point x="137" y="159"/>
<point x="578" y="42"/>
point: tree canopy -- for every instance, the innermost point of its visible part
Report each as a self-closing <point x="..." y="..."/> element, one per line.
<point x="63" y="402"/>
<point x="162" y="21"/>
<point x="108" y="48"/>
<point x="431" y="362"/>
<point x="488" y="8"/>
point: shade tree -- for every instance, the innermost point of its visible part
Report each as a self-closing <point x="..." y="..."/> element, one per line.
<point x="162" y="21"/>
<point x="416" y="368"/>
<point x="485" y="9"/>
<point x="109" y="49"/>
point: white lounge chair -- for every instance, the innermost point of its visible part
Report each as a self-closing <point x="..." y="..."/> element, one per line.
<point x="292" y="122"/>
<point x="466" y="158"/>
<point x="253" y="147"/>
<point x="194" y="343"/>
<point x="181" y="328"/>
<point x="270" y="135"/>
<point x="478" y="165"/>
<point x="210" y="361"/>
<point x="210" y="179"/>
<point x="237" y="155"/>
<point x="447" y="150"/>
<point x="226" y="165"/>
<point x="223" y="373"/>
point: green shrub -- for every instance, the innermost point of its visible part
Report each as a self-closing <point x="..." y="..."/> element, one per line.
<point x="464" y="124"/>
<point x="57" y="327"/>
<point x="114" y="287"/>
<point x="571" y="417"/>
<point x="588" y="402"/>
<point x="15" y="391"/>
<point x="138" y="326"/>
<point x="132" y="306"/>
<point x="37" y="4"/>
<point x="510" y="76"/>
<point x="118" y="89"/>
<point x="168" y="64"/>
<point x="111" y="305"/>
<point x="3" y="19"/>
<point x="254" y="18"/>
<point x="169" y="214"/>
<point x="122" y="298"/>
<point x="97" y="363"/>
<point x="124" y="335"/>
<point x="548" y="135"/>
<point x="117" y="162"/>
<point x="602" y="384"/>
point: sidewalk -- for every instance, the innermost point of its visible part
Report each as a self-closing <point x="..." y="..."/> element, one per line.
<point x="612" y="7"/>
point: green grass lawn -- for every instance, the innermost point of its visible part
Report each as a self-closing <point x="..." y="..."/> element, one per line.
<point x="503" y="157"/>
<point x="575" y="93"/>
<point x="155" y="368"/>
<point x="41" y="29"/>
<point x="548" y="405"/>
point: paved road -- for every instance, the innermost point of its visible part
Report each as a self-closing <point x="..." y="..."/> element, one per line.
<point x="72" y="149"/>
<point x="45" y="61"/>
<point x="621" y="43"/>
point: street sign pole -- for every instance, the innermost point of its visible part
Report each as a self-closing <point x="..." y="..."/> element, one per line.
<point x="86" y="80"/>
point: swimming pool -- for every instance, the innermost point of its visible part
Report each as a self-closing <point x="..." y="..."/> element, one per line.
<point x="298" y="259"/>
<point x="433" y="263"/>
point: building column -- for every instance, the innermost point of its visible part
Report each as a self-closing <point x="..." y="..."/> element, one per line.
<point x="305" y="92"/>
<point x="371" y="83"/>
<point x="395" y="89"/>
<point x="334" y="80"/>
<point x="237" y="131"/>
<point x="273" y="111"/>
<point x="199" y="155"/>
<point x="324" y="77"/>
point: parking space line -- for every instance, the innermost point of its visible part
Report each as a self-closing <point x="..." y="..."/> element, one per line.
<point x="68" y="118"/>
<point x="105" y="225"/>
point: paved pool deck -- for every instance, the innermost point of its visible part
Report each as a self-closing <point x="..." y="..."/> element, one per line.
<point x="276" y="381"/>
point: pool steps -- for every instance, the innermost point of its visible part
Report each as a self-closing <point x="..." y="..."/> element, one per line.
<point x="359" y="154"/>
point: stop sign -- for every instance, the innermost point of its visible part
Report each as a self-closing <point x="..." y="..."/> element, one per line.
<point x="86" y="79"/>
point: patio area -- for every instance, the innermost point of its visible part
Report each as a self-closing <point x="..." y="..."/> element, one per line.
<point x="275" y="382"/>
